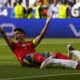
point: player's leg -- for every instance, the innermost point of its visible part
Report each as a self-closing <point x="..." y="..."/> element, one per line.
<point x="72" y="50"/>
<point x="34" y="59"/>
<point x="28" y="61"/>
<point x="38" y="58"/>
<point x="59" y="55"/>
<point x="46" y="54"/>
<point x="62" y="62"/>
<point x="56" y="55"/>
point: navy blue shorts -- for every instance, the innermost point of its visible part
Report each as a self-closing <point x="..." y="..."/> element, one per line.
<point x="29" y="59"/>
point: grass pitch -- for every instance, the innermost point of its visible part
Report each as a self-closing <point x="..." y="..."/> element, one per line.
<point x="10" y="69"/>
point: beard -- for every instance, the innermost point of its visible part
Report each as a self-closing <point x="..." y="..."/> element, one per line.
<point x="17" y="38"/>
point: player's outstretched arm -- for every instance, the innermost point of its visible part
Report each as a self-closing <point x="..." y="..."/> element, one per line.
<point x="8" y="40"/>
<point x="37" y="40"/>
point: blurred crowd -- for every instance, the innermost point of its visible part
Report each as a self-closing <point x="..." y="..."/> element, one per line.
<point x="43" y="8"/>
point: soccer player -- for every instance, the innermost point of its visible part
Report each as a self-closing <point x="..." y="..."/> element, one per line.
<point x="72" y="50"/>
<point x="54" y="9"/>
<point x="25" y="50"/>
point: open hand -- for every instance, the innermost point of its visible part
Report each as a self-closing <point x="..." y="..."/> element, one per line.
<point x="0" y="29"/>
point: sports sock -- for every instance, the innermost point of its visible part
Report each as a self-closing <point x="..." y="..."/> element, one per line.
<point x="59" y="55"/>
<point x="65" y="63"/>
<point x="76" y="52"/>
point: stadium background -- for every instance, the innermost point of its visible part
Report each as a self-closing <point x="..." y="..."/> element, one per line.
<point x="56" y="39"/>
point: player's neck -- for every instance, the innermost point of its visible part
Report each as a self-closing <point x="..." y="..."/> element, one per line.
<point x="21" y="41"/>
<point x="55" y="4"/>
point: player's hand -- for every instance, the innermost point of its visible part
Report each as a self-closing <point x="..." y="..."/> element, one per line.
<point x="1" y="30"/>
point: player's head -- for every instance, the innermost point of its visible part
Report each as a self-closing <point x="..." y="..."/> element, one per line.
<point x="29" y="11"/>
<point x="19" y="1"/>
<point x="55" y="1"/>
<point x="40" y="2"/>
<point x="19" y="33"/>
<point x="64" y="1"/>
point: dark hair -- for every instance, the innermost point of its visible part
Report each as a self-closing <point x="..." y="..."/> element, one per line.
<point x="29" y="10"/>
<point x="19" y="1"/>
<point x="20" y="30"/>
<point x="64" y="1"/>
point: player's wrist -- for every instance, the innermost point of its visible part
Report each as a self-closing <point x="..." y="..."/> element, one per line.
<point x="2" y="32"/>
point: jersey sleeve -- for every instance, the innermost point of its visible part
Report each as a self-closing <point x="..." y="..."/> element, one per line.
<point x="13" y="45"/>
<point x="33" y="41"/>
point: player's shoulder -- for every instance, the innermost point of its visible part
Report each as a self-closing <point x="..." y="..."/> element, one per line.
<point x="51" y="5"/>
<point x="30" y="42"/>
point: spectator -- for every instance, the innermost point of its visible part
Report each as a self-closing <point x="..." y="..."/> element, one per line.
<point x="63" y="12"/>
<point x="54" y="9"/>
<point x="19" y="10"/>
<point x="29" y="13"/>
<point x="70" y="4"/>
<point x="11" y="3"/>
<point x="39" y="12"/>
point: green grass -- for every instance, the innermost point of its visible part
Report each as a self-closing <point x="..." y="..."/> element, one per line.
<point x="10" y="67"/>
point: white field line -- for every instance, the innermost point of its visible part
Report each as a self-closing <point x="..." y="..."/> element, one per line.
<point x="67" y="42"/>
<point x="43" y="76"/>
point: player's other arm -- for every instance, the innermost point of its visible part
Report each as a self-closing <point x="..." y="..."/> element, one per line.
<point x="8" y="40"/>
<point x="37" y="40"/>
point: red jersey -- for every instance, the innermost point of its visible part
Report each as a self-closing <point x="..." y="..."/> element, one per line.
<point x="22" y="49"/>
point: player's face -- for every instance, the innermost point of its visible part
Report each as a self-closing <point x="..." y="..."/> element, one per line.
<point x="18" y="35"/>
<point x="40" y="3"/>
<point x="55" y="1"/>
